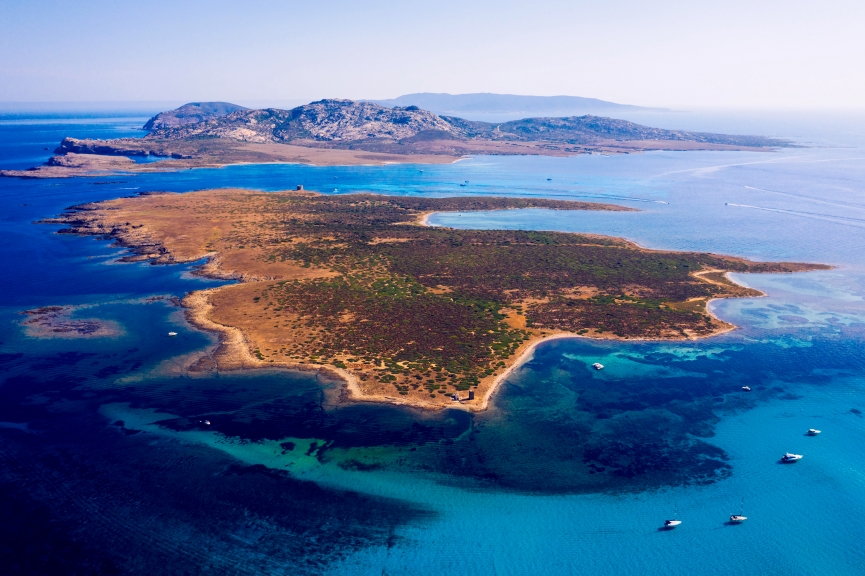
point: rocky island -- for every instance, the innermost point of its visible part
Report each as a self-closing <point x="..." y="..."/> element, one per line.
<point x="344" y="132"/>
<point x="357" y="286"/>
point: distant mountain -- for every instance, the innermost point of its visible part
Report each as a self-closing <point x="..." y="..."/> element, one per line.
<point x="485" y="104"/>
<point x="367" y="123"/>
<point x="325" y="120"/>
<point x="191" y="113"/>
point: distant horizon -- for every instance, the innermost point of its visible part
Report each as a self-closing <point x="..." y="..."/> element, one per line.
<point x="168" y="104"/>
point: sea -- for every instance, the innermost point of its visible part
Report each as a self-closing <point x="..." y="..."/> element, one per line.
<point x="108" y="465"/>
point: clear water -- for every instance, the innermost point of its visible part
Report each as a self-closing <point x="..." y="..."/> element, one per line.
<point x="107" y="466"/>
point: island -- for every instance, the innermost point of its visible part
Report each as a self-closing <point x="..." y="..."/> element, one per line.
<point x="359" y="287"/>
<point x="345" y="132"/>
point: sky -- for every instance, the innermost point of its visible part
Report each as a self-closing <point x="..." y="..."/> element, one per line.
<point x="729" y="54"/>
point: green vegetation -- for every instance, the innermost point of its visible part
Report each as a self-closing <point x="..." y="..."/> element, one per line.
<point x="423" y="308"/>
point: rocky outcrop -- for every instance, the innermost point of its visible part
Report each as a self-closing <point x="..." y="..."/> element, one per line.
<point x="325" y="120"/>
<point x="191" y="113"/>
<point x="343" y="121"/>
<point x="120" y="147"/>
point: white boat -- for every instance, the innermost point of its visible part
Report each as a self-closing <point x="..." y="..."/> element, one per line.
<point x="813" y="432"/>
<point x="598" y="366"/>
<point x="172" y="333"/>
<point x="675" y="521"/>
<point x="746" y="388"/>
<point x="788" y="458"/>
<point x="738" y="518"/>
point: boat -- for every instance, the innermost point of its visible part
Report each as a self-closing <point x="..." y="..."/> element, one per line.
<point x="746" y="388"/>
<point x="172" y="333"/>
<point x="790" y="458"/>
<point x="598" y="366"/>
<point x="675" y="521"/>
<point x="462" y="184"/>
<point x="813" y="431"/>
<point x="739" y="518"/>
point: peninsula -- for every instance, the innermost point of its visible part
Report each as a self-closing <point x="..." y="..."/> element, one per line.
<point x="357" y="286"/>
<point x="345" y="132"/>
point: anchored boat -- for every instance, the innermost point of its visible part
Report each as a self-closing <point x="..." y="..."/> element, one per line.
<point x="739" y="518"/>
<point x="675" y="521"/>
<point x="789" y="458"/>
<point x="598" y="366"/>
<point x="813" y="432"/>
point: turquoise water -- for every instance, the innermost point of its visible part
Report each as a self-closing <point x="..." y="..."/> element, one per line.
<point x="108" y="467"/>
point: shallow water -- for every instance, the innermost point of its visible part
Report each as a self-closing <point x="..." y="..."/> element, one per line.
<point x="571" y="470"/>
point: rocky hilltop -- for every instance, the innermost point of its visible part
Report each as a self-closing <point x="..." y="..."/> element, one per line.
<point x="190" y="114"/>
<point x="341" y="121"/>
<point x="205" y="134"/>
<point x="325" y="120"/>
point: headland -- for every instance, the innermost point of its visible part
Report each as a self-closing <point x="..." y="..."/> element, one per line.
<point x="355" y="285"/>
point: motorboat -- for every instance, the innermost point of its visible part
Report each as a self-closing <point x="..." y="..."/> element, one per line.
<point x="598" y="366"/>
<point x="746" y="388"/>
<point x="813" y="431"/>
<point x="172" y="334"/>
<point x="789" y="458"/>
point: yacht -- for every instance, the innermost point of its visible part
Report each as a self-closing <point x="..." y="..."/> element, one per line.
<point x="813" y="432"/>
<point x="598" y="366"/>
<point x="739" y="518"/>
<point x="746" y="388"/>
<point x="172" y="333"/>
<point x="789" y="458"/>
<point x="675" y="521"/>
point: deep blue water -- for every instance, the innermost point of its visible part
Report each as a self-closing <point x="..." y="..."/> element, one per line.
<point x="106" y="467"/>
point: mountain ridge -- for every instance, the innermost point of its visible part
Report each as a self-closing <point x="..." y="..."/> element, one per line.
<point x="336" y="122"/>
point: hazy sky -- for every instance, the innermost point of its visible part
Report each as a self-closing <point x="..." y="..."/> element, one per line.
<point x="682" y="54"/>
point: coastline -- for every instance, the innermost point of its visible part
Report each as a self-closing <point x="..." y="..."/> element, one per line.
<point x="235" y="350"/>
<point x="101" y="158"/>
